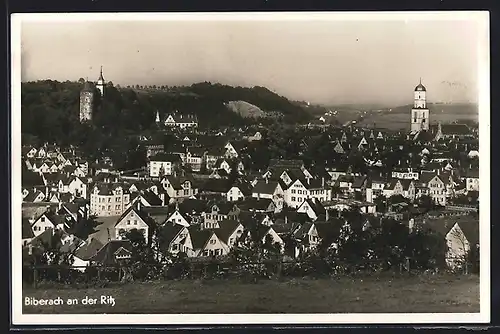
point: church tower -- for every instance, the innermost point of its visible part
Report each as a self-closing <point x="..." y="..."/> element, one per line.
<point x="419" y="112"/>
<point x="86" y="102"/>
<point x="100" y="83"/>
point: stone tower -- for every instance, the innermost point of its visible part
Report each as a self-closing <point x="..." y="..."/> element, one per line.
<point x="419" y="112"/>
<point x="86" y="102"/>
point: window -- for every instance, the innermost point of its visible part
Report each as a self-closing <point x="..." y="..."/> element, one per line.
<point x="293" y="191"/>
<point x="212" y="241"/>
<point x="109" y="207"/>
<point x="293" y="199"/>
<point x="109" y="199"/>
<point x="42" y="219"/>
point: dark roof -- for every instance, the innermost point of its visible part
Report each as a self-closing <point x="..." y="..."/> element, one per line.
<point x="253" y="203"/>
<point x="216" y="185"/>
<point x="263" y="187"/>
<point x="226" y="228"/>
<point x="90" y="249"/>
<point x="191" y="206"/>
<point x="471" y="230"/>
<point x="152" y="198"/>
<point x="27" y="230"/>
<point x="455" y="129"/>
<point x="31" y="179"/>
<point x="329" y="231"/>
<point x="358" y="181"/>
<point x="106" y="255"/>
<point x="168" y="232"/>
<point x="420" y="88"/>
<point x="172" y="157"/>
<point x="199" y="238"/>
<point x="286" y="163"/>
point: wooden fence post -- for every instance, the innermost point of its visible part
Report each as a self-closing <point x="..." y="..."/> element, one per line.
<point x="35" y="277"/>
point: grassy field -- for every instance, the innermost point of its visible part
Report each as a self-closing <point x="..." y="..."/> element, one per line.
<point x="421" y="294"/>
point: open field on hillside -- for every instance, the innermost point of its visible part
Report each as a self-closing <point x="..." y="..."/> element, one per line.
<point x="425" y="293"/>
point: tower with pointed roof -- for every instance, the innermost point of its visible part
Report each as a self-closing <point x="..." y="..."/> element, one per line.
<point x="100" y="83"/>
<point x="86" y="102"/>
<point x="420" y="112"/>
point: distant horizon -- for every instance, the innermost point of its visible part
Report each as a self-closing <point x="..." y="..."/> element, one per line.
<point x="323" y="58"/>
<point x="372" y="104"/>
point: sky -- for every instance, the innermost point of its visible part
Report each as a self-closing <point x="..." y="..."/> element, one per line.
<point x="321" y="60"/>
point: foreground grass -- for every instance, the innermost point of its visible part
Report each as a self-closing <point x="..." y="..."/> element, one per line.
<point x="421" y="294"/>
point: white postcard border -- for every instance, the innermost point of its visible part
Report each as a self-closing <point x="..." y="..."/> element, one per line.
<point x="18" y="318"/>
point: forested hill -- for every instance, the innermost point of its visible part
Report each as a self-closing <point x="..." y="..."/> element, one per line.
<point x="50" y="108"/>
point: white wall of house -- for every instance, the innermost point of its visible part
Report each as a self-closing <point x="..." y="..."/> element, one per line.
<point x="214" y="246"/>
<point x="130" y="222"/>
<point x="458" y="246"/>
<point x="234" y="194"/>
<point x="177" y="218"/>
<point x="41" y="224"/>
<point x="472" y="183"/>
<point x="156" y="166"/>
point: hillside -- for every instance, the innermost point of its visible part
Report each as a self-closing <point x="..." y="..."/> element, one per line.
<point x="50" y="109"/>
<point x="245" y="109"/>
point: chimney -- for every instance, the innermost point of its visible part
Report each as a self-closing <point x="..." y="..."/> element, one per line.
<point x="267" y="180"/>
<point x="322" y="182"/>
<point x="109" y="235"/>
<point x="327" y="215"/>
<point x="30" y="248"/>
<point x="411" y="225"/>
<point x="286" y="219"/>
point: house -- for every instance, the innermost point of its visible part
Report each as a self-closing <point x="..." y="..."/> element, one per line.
<point x="113" y="252"/>
<point x="84" y="253"/>
<point x="238" y="191"/>
<point x="179" y="187"/>
<point x="249" y="218"/>
<point x="472" y="180"/>
<point x="436" y="187"/>
<point x="460" y="236"/>
<point x="47" y="220"/>
<point x="267" y="189"/>
<point x="393" y="188"/>
<point x="108" y="199"/>
<point x="212" y="156"/>
<point x="218" y="212"/>
<point x="260" y="205"/>
<point x="229" y="231"/>
<point x="181" y="121"/>
<point x="299" y="190"/>
<point x="408" y="189"/>
<point x="27" y="231"/>
<point x="194" y="158"/>
<point x="134" y="218"/>
<point x="452" y="131"/>
<point x="147" y="198"/>
<point x="307" y="237"/>
<point x="405" y="174"/>
<point x="313" y="208"/>
<point x="262" y="234"/>
<point x="153" y="148"/>
<point x="163" y="164"/>
<point x="206" y="243"/>
<point x="177" y="218"/>
<point x="175" y="239"/>
<point x="33" y="196"/>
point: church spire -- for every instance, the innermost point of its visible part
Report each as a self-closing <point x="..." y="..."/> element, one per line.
<point x="100" y="75"/>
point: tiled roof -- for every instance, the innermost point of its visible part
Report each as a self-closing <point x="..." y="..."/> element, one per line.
<point x="455" y="129"/>
<point x="106" y="255"/>
<point x="226" y="228"/>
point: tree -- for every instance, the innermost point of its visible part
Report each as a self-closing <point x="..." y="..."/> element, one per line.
<point x="144" y="262"/>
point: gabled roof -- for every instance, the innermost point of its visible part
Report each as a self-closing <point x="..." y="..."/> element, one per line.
<point x="253" y="203"/>
<point x="216" y="185"/>
<point x="263" y="187"/>
<point x="152" y="198"/>
<point x="200" y="238"/>
<point x="27" y="231"/>
<point x="168" y="233"/>
<point x="31" y="179"/>
<point x="141" y="213"/>
<point x="455" y="129"/>
<point x="90" y="249"/>
<point x="226" y="229"/>
<point x="106" y="255"/>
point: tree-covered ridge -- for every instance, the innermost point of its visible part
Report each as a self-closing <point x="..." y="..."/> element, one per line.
<point x="50" y="109"/>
